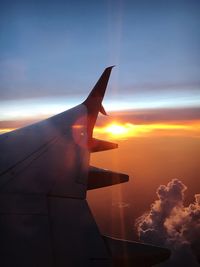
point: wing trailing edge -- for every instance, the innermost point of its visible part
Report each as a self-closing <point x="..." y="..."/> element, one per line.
<point x="130" y="253"/>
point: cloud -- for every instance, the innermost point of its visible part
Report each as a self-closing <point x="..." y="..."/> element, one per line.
<point x="169" y="223"/>
<point x="158" y="115"/>
<point x="164" y="85"/>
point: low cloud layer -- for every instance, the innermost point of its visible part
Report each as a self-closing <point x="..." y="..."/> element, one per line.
<point x="157" y="115"/>
<point x="169" y="223"/>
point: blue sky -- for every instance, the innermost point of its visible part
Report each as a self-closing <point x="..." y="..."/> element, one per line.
<point x="52" y="53"/>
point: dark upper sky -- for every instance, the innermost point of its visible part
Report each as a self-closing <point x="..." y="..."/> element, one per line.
<point x="52" y="52"/>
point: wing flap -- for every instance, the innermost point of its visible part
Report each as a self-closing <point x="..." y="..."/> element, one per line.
<point x="129" y="253"/>
<point x="101" y="145"/>
<point x="98" y="178"/>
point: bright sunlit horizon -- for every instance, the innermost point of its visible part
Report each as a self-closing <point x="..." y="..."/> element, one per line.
<point x="118" y="130"/>
<point x="44" y="107"/>
<point x="122" y="130"/>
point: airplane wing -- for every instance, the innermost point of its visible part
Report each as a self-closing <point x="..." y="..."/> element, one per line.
<point x="44" y="177"/>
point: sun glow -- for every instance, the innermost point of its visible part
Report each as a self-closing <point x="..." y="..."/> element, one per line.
<point x="116" y="130"/>
<point x="125" y="130"/>
<point x="6" y="130"/>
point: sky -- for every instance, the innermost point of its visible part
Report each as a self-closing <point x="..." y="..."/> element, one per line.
<point x="51" y="55"/>
<point x="52" y="52"/>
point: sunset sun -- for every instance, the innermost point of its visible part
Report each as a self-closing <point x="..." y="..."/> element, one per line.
<point x="116" y="129"/>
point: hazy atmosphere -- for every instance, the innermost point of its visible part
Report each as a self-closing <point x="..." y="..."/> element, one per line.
<point x="51" y="55"/>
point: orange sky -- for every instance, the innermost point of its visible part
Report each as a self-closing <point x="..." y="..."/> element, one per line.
<point x="125" y="130"/>
<point x="149" y="161"/>
<point x="151" y="153"/>
<point x="154" y="147"/>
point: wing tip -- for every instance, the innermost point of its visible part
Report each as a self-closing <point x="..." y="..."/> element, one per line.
<point x="93" y="102"/>
<point x="110" y="67"/>
<point x="99" y="89"/>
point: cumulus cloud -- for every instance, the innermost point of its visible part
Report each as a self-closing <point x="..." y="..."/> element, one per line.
<point x="169" y="223"/>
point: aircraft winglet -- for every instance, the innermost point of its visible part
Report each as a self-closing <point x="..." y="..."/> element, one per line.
<point x="96" y="96"/>
<point x="100" y="87"/>
<point x="94" y="100"/>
